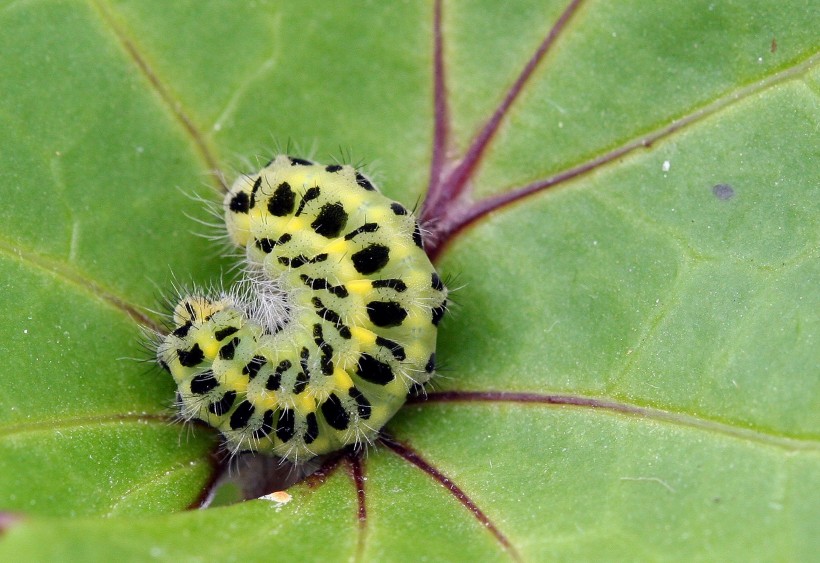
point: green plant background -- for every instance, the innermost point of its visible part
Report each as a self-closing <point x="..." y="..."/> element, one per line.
<point x="687" y="324"/>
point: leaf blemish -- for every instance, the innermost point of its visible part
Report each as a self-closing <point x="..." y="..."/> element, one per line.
<point x="723" y="191"/>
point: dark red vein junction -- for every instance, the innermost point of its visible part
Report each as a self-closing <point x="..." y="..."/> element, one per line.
<point x="449" y="208"/>
<point x="466" y="214"/>
<point x="451" y="187"/>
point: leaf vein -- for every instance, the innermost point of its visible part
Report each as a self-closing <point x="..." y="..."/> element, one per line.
<point x="458" y="217"/>
<point x="79" y="279"/>
<point x="596" y="403"/>
<point x="174" y="105"/>
<point x="13" y="430"/>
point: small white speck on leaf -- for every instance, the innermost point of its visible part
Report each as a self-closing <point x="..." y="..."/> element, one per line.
<point x="279" y="497"/>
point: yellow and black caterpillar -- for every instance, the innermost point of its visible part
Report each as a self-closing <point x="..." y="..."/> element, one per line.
<point x="334" y="323"/>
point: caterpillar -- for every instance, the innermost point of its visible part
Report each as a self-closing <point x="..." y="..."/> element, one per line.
<point x="333" y="324"/>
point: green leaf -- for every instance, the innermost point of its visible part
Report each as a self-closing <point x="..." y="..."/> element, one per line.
<point x="630" y="364"/>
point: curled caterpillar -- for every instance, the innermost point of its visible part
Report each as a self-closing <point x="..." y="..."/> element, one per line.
<point x="332" y="326"/>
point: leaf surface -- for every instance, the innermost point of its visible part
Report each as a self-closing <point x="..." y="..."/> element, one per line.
<point x="624" y="197"/>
